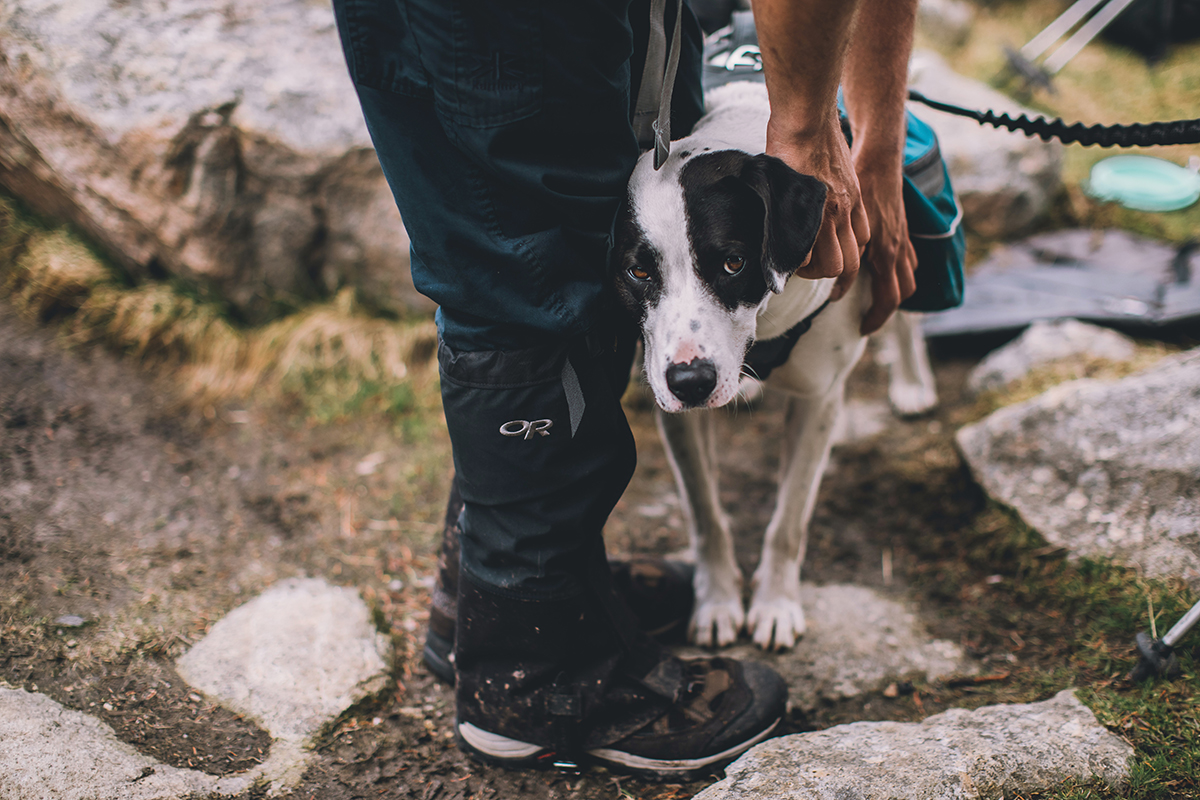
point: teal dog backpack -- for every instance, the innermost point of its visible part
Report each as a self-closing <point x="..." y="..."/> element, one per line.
<point x="934" y="215"/>
<point x="934" y="222"/>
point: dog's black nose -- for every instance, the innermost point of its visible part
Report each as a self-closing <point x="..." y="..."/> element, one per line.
<point x="692" y="382"/>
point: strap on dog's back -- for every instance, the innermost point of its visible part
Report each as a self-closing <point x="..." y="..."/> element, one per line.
<point x="767" y="354"/>
<point x="652" y="114"/>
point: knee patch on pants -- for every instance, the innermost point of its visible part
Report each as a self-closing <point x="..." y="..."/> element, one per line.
<point x="542" y="452"/>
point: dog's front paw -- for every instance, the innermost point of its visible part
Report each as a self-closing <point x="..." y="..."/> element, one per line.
<point x="716" y="623"/>
<point x="776" y="624"/>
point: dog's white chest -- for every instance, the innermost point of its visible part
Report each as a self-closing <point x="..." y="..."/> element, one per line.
<point x="799" y="299"/>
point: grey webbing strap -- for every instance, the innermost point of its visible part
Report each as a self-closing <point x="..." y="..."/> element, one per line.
<point x="646" y="110"/>
<point x="652" y="114"/>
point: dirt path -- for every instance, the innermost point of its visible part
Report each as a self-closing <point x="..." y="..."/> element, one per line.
<point x="149" y="519"/>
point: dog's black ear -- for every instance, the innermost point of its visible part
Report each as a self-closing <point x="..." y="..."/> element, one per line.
<point x="794" y="204"/>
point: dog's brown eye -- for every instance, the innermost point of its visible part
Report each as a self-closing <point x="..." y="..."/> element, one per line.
<point x="638" y="274"/>
<point x="734" y="264"/>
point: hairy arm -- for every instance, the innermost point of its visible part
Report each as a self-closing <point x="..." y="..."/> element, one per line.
<point x="874" y="82"/>
<point x="804" y="46"/>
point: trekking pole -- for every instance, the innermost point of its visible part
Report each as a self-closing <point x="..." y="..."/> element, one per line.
<point x="1055" y="30"/>
<point x="1023" y="61"/>
<point x="1085" y="34"/>
<point x="1158" y="655"/>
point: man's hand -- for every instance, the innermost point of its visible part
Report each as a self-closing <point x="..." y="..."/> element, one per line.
<point x="874" y="82"/>
<point x="890" y="256"/>
<point x="803" y="45"/>
<point x="845" y="227"/>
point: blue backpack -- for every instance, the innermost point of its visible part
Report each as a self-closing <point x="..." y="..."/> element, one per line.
<point x="934" y="222"/>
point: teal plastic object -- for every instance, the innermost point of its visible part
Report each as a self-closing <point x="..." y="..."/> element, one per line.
<point x="1144" y="183"/>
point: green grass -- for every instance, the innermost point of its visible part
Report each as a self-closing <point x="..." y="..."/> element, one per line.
<point x="1162" y="720"/>
<point x="1073" y="625"/>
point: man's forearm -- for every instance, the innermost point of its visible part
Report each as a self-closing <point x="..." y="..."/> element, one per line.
<point x="804" y="45"/>
<point x="875" y="78"/>
<point x="874" y="82"/>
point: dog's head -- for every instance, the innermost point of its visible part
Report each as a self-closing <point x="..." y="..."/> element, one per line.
<point x="699" y="246"/>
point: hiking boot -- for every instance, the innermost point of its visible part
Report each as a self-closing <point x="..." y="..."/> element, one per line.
<point x="658" y="592"/>
<point x="544" y="682"/>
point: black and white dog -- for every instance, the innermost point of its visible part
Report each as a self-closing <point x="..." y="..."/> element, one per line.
<point x="703" y="252"/>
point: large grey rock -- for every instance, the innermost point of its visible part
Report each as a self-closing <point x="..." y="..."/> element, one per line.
<point x="292" y="659"/>
<point x="48" y="752"/>
<point x="991" y="752"/>
<point x="858" y="641"/>
<point x="1044" y="342"/>
<point x="1005" y="181"/>
<point x="222" y="143"/>
<point x="1104" y="468"/>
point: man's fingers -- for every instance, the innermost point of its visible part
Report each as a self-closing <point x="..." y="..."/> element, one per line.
<point x="844" y="283"/>
<point x="885" y="300"/>
<point x="852" y="249"/>
<point x="826" y="258"/>
<point x="906" y="266"/>
<point x="851" y="260"/>
<point x="860" y="225"/>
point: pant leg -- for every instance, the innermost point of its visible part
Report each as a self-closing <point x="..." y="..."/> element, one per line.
<point x="505" y="138"/>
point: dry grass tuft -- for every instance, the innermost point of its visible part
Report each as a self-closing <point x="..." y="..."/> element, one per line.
<point x="52" y="274"/>
<point x="153" y="323"/>
<point x="215" y="361"/>
<point x="331" y="348"/>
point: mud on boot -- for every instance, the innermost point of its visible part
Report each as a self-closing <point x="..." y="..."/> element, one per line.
<point x="549" y="680"/>
<point x="658" y="592"/>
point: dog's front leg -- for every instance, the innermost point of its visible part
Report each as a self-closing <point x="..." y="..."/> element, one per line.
<point x="776" y="618"/>
<point x="718" y="614"/>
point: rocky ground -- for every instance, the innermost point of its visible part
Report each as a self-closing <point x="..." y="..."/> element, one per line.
<point x="132" y="521"/>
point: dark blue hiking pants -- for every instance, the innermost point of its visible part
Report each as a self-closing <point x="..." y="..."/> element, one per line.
<point x="503" y="129"/>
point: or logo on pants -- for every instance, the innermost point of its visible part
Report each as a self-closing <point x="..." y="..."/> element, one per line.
<point x="526" y="429"/>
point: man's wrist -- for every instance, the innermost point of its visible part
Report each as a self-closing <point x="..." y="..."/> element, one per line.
<point x="791" y="127"/>
<point x="878" y="159"/>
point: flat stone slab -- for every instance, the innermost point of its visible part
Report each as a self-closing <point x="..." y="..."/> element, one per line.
<point x="1110" y="277"/>
<point x="857" y="641"/>
<point x="48" y="752"/>
<point x="991" y="752"/>
<point x="292" y="659"/>
<point x="1104" y="468"/>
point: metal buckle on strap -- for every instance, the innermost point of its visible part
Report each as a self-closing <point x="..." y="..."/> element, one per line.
<point x="652" y="114"/>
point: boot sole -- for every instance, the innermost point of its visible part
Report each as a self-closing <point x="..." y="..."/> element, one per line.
<point x="683" y="769"/>
<point x="498" y="750"/>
